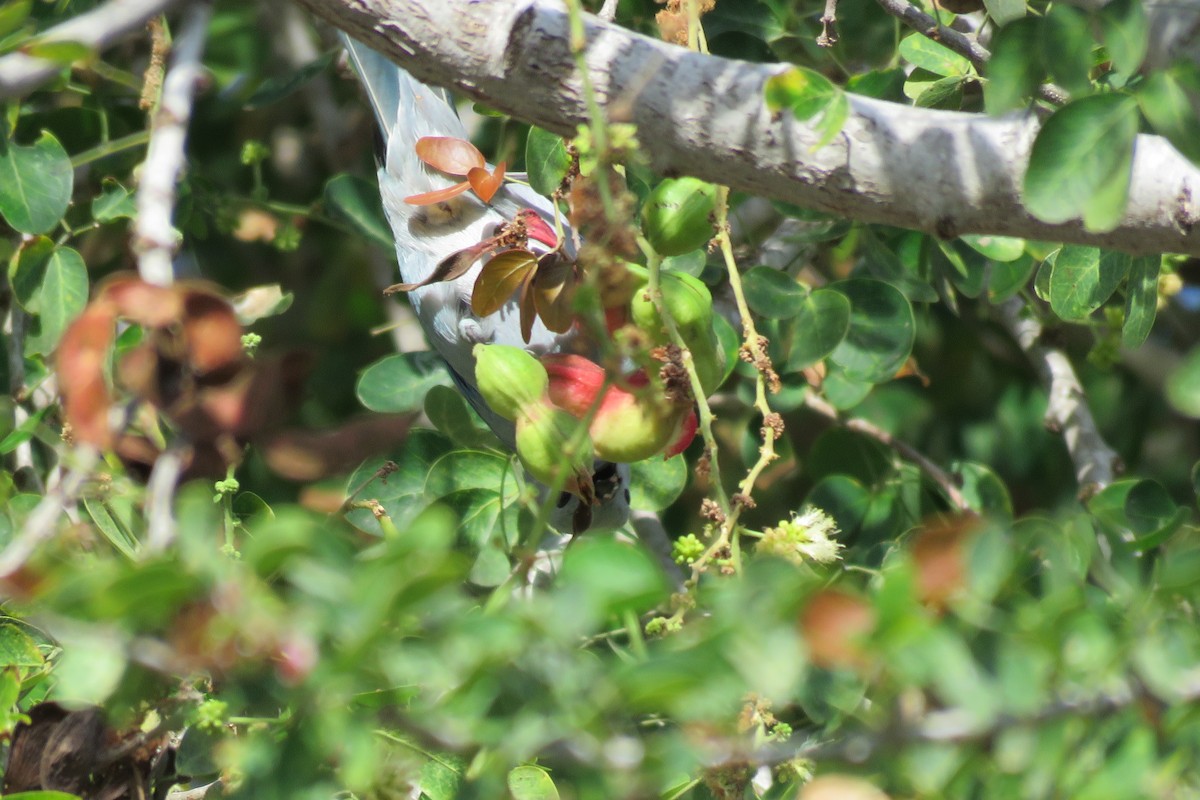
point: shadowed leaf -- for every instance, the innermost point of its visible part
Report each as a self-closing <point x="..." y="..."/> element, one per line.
<point x="499" y="278"/>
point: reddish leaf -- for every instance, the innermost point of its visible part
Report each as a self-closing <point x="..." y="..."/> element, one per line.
<point x="450" y="155"/>
<point x="452" y="266"/>
<point x="212" y="332"/>
<point x="554" y="292"/>
<point x="81" y="358"/>
<point x="537" y="228"/>
<point x="687" y="432"/>
<point x="437" y="195"/>
<point x="575" y="382"/>
<point x="486" y="185"/>
<point x="528" y="306"/>
<point x="499" y="278"/>
<point x="146" y="304"/>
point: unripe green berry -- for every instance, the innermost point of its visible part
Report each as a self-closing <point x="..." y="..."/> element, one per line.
<point x="676" y="215"/>
<point x="509" y="378"/>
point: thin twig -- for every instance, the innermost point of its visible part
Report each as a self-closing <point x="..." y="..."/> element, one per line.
<point x="608" y="11"/>
<point x="98" y="29"/>
<point x="160" y="526"/>
<point x="828" y="37"/>
<point x="154" y="237"/>
<point x="1067" y="410"/>
<point x="40" y="525"/>
<point x="943" y="479"/>
<point x="962" y="44"/>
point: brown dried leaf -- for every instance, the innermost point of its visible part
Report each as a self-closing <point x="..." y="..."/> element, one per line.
<point x="486" y="184"/>
<point x="452" y="266"/>
<point x="554" y="292"/>
<point x="832" y="623"/>
<point x="528" y="306"/>
<point x="450" y="155"/>
<point x="499" y="278"/>
<point x="81" y="358"/>
<point x="939" y="553"/>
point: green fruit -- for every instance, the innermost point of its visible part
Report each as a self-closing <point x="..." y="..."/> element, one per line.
<point x="689" y="303"/>
<point x="544" y="436"/>
<point x="632" y="427"/>
<point x="510" y="379"/>
<point x="676" y="215"/>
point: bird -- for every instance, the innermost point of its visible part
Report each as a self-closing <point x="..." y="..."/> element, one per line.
<point x="406" y="111"/>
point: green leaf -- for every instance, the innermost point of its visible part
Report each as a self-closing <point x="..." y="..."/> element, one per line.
<point x="401" y="492"/>
<point x="657" y="482"/>
<point x="806" y="94"/>
<point x="1141" y="300"/>
<point x="357" y="202"/>
<point x="1083" y="278"/>
<point x="844" y="392"/>
<point x="448" y="411"/>
<point x="112" y="530"/>
<point x="1163" y="98"/>
<point x="984" y="490"/>
<point x="882" y="330"/>
<point x="471" y="469"/>
<point x="61" y="52"/>
<point x="821" y="322"/>
<point x="24" y="432"/>
<point x="1004" y="11"/>
<point x="946" y="94"/>
<point x="1081" y="162"/>
<point x="1008" y="278"/>
<point x="611" y="576"/>
<point x="691" y="263"/>
<point x="997" y="248"/>
<point x="772" y="293"/>
<point x="35" y="184"/>
<point x="729" y="341"/>
<point x="52" y="286"/>
<point x="546" y="160"/>
<point x="113" y="203"/>
<point x="275" y="89"/>
<point x="921" y="51"/>
<point x="1152" y="514"/>
<point x="531" y="783"/>
<point x="1183" y="387"/>
<point x="1014" y="71"/>
<point x="1124" y="30"/>
<point x="41" y="794"/>
<point x="13" y="15"/>
<point x="1066" y="48"/>
<point x="399" y="382"/>
<point x="17" y="649"/>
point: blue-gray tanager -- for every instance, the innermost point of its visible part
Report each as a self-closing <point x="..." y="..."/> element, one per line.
<point x="408" y="110"/>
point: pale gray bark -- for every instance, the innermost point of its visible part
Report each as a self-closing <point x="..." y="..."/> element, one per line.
<point x="98" y="28"/>
<point x="941" y="172"/>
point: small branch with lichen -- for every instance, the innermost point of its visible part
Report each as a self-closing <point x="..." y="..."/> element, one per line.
<point x="828" y="37"/>
<point x="154" y="236"/>
<point x="1067" y="410"/>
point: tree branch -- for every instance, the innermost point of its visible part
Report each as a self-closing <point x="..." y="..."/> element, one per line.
<point x="1067" y="411"/>
<point x="154" y="237"/>
<point x="942" y="172"/>
<point x="98" y="29"/>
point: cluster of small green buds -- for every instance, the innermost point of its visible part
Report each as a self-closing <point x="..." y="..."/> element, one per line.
<point x="687" y="549"/>
<point x="808" y="536"/>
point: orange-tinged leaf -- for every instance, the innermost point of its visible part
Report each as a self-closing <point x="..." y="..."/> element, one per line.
<point x="486" y="185"/>
<point x="437" y="195"/>
<point x="82" y="355"/>
<point x="499" y="278"/>
<point x="554" y="292"/>
<point x="144" y="303"/>
<point x="212" y="331"/>
<point x="445" y="153"/>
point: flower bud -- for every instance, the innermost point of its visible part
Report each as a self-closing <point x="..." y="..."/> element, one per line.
<point x="676" y="215"/>
<point x="509" y="378"/>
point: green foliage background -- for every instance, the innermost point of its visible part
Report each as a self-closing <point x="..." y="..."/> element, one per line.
<point x="334" y="654"/>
